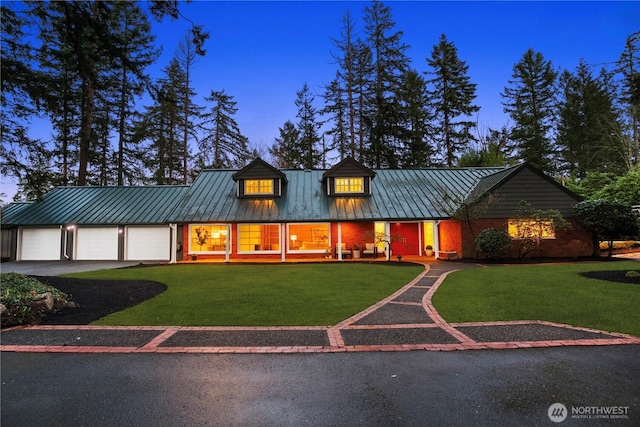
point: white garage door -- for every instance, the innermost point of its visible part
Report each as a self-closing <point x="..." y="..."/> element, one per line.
<point x="40" y="244"/>
<point x="148" y="243"/>
<point x="97" y="243"/>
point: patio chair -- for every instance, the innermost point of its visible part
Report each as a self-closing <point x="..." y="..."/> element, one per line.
<point x="371" y="250"/>
<point x="343" y="250"/>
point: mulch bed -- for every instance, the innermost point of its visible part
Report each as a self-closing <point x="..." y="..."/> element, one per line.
<point x="612" y="276"/>
<point x="97" y="298"/>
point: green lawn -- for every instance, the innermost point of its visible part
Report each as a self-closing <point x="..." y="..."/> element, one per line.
<point x="554" y="292"/>
<point x="320" y="294"/>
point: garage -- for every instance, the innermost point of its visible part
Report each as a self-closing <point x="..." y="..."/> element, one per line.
<point x="97" y="243"/>
<point x="40" y="244"/>
<point x="152" y="243"/>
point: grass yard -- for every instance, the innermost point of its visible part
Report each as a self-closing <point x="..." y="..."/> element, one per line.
<point x="320" y="294"/>
<point x="554" y="292"/>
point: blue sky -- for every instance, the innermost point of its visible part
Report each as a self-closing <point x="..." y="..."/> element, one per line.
<point x="262" y="52"/>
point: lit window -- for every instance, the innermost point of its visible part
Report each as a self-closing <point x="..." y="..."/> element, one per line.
<point x="207" y="238"/>
<point x="258" y="186"/>
<point x="309" y="237"/>
<point x="349" y="185"/>
<point x="259" y="238"/>
<point x="531" y="229"/>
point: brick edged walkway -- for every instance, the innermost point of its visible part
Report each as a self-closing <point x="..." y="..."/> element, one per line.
<point x="404" y="321"/>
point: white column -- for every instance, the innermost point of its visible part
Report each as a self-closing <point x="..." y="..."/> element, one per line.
<point x="227" y="244"/>
<point x="436" y="239"/>
<point x="283" y="241"/>
<point x="339" y="246"/>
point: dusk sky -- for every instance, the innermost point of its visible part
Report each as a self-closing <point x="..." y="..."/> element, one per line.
<point x="262" y="52"/>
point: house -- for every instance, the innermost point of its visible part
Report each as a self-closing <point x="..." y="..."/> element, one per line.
<point x="260" y="212"/>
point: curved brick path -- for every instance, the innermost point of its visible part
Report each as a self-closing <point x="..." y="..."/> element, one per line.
<point x="406" y="320"/>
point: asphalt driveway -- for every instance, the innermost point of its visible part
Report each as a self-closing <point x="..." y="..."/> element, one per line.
<point x="55" y="268"/>
<point x="468" y="388"/>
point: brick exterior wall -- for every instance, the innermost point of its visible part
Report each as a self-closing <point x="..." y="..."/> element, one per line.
<point x="568" y="243"/>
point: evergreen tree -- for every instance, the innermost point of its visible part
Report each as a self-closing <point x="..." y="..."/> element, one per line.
<point x="162" y="126"/>
<point x="284" y="150"/>
<point x="223" y="146"/>
<point x="413" y="121"/>
<point x="587" y="123"/>
<point x="136" y="44"/>
<point x="629" y="68"/>
<point x="22" y="157"/>
<point x="340" y="95"/>
<point x="186" y="56"/>
<point x="530" y="101"/>
<point x="307" y="151"/>
<point x="388" y="65"/>
<point x="450" y="96"/>
<point x="335" y="105"/>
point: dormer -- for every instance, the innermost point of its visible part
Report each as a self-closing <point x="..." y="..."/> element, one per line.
<point x="348" y="178"/>
<point x="259" y="180"/>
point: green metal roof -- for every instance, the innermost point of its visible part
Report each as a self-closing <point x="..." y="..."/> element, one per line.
<point x="100" y="205"/>
<point x="11" y="211"/>
<point x="397" y="195"/>
<point x="406" y="194"/>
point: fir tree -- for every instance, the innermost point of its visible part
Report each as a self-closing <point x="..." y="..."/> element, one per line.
<point x="450" y="97"/>
<point x="530" y="101"/>
<point x="224" y="146"/>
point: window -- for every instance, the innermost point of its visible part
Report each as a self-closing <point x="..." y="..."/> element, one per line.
<point x="207" y="238"/>
<point x="349" y="185"/>
<point x="308" y="237"/>
<point x="531" y="229"/>
<point x="259" y="238"/>
<point x="258" y="186"/>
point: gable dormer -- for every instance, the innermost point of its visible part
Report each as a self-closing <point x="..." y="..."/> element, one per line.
<point x="348" y="178"/>
<point x="259" y="180"/>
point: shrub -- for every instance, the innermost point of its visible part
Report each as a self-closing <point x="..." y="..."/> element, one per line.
<point x="493" y="242"/>
<point x="16" y="295"/>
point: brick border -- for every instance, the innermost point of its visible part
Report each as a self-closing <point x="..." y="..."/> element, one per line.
<point x="336" y="341"/>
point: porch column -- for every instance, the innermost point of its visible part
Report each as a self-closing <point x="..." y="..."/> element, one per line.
<point x="387" y="232"/>
<point x="227" y="244"/>
<point x="283" y="241"/>
<point x="339" y="246"/>
<point x="420" y="235"/>
<point x="436" y="239"/>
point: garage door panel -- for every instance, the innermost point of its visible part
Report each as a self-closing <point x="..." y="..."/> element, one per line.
<point x="40" y="244"/>
<point x="99" y="243"/>
<point x="148" y="243"/>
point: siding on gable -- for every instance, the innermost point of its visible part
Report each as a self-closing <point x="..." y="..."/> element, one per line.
<point x="538" y="191"/>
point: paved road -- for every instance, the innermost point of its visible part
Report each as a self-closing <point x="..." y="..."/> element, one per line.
<point x="490" y="387"/>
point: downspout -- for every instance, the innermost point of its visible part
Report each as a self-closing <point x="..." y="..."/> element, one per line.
<point x="174" y="242"/>
<point x="64" y="243"/>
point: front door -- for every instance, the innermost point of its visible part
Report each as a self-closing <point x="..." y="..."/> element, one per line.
<point x="405" y="238"/>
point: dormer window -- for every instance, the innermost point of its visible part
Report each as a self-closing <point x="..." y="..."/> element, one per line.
<point x="349" y="185"/>
<point x="348" y="179"/>
<point x="261" y="187"/>
<point x="259" y="180"/>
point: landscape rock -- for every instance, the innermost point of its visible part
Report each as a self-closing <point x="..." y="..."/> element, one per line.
<point x="44" y="300"/>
